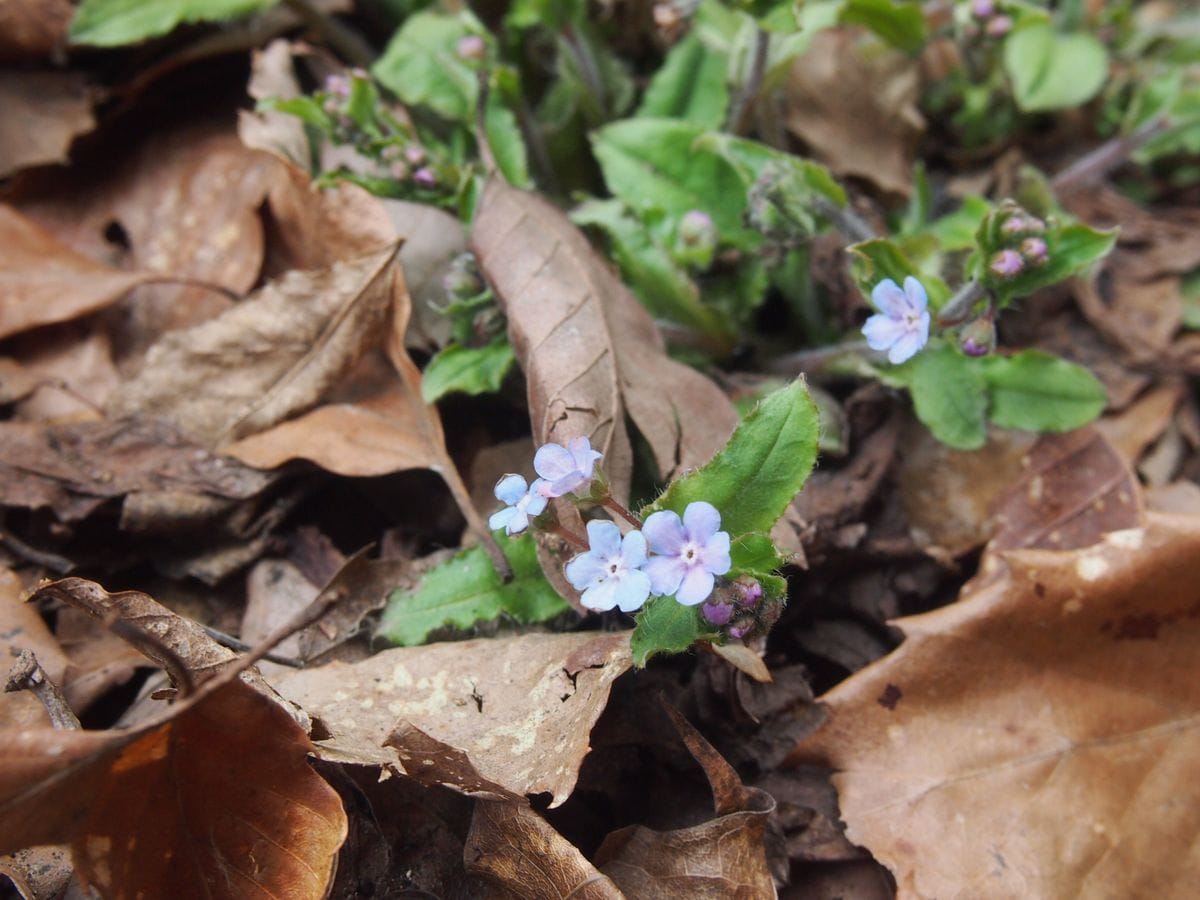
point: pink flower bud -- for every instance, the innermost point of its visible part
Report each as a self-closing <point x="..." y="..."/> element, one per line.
<point x="999" y="26"/>
<point x="1006" y="264"/>
<point x="415" y="154"/>
<point x="471" y="47"/>
<point x="982" y="9"/>
<point x="398" y="170"/>
<point x="747" y="591"/>
<point x="1033" y="249"/>
<point x="978" y="338"/>
<point x="717" y="613"/>
<point x="426" y="178"/>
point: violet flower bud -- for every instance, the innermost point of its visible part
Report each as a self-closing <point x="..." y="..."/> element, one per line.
<point x="1006" y="264"/>
<point x="982" y="9"/>
<point x="978" y="338"/>
<point x="747" y="592"/>
<point x="717" y="613"/>
<point x="1033" y="249"/>
<point x="999" y="26"/>
<point x="739" y="631"/>
<point x="471" y="47"/>
<point x="415" y="154"/>
<point x="337" y="86"/>
<point x="427" y="179"/>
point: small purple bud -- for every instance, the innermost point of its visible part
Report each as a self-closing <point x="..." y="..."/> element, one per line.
<point x="471" y="47"/>
<point x="1014" y="224"/>
<point x="737" y="632"/>
<point x="1033" y="249"/>
<point x="415" y="154"/>
<point x="747" y="592"/>
<point x="426" y="178"/>
<point x="999" y="26"/>
<point x="338" y="86"/>
<point x="697" y="227"/>
<point x="982" y="9"/>
<point x="717" y="613"/>
<point x="978" y="338"/>
<point x="1006" y="264"/>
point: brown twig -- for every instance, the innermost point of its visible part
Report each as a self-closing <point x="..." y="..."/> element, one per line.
<point x="1092" y="167"/>
<point x="809" y="361"/>
<point x="27" y="674"/>
<point x="569" y="536"/>
<point x="344" y="42"/>
<point x="960" y="305"/>
<point x="749" y="88"/>
<point x="228" y="640"/>
<point x="610" y="502"/>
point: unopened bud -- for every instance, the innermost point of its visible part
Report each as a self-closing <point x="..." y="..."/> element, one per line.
<point x="978" y="338"/>
<point x="982" y="9"/>
<point x="415" y="154"/>
<point x="1006" y="264"/>
<point x="337" y="86"/>
<point x="696" y="239"/>
<point x="740" y="630"/>
<point x="427" y="179"/>
<point x="747" y="591"/>
<point x="1033" y="249"/>
<point x="471" y="47"/>
<point x="999" y="26"/>
<point x="717" y="613"/>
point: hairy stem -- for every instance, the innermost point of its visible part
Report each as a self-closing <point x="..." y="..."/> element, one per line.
<point x="610" y="502"/>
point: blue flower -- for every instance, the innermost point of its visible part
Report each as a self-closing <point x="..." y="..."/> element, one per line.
<point x="523" y="504"/>
<point x="903" y="326"/>
<point x="690" y="552"/>
<point x="609" y="573"/>
<point x="565" y="469"/>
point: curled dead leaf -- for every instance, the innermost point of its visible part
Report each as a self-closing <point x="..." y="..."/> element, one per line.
<point x="43" y="113"/>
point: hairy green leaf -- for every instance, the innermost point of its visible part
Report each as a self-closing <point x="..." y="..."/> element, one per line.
<point x="111" y="23"/>
<point x="467" y="370"/>
<point x="666" y="626"/>
<point x="949" y="395"/>
<point x="1039" y="392"/>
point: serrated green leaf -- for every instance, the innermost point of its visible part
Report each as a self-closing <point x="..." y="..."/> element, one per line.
<point x="653" y="163"/>
<point x="111" y="23"/>
<point x="666" y="626"/>
<point x="875" y="260"/>
<point x="765" y="464"/>
<point x="900" y="23"/>
<point x="949" y="395"/>
<point x="1050" y="70"/>
<point x="1070" y="249"/>
<point x="1035" y="391"/>
<point x="421" y="67"/>
<point x="689" y="86"/>
<point x="754" y="552"/>
<point x="467" y="370"/>
<point x="466" y="590"/>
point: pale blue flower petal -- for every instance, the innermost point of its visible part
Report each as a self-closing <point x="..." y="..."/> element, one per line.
<point x="889" y="299"/>
<point x="696" y="586"/>
<point x="553" y="461"/>
<point x="664" y="532"/>
<point x="601" y="596"/>
<point x="585" y="457"/>
<point x="517" y="523"/>
<point x="585" y="570"/>
<point x="501" y="518"/>
<point x="604" y="538"/>
<point x="510" y="489"/>
<point x="633" y="549"/>
<point x="665" y="573"/>
<point x="536" y="504"/>
<point x="632" y="591"/>
<point x="716" y="553"/>
<point x="882" y="332"/>
<point x="914" y="291"/>
<point x="906" y="347"/>
<point x="701" y="520"/>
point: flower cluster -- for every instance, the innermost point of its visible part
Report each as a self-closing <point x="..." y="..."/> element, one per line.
<point x="666" y="555"/>
<point x="902" y="326"/>
<point x="1025" y="245"/>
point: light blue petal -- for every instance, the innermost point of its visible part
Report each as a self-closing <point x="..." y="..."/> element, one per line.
<point x="584" y="571"/>
<point x="882" y="332"/>
<point x="633" y="549"/>
<point x="889" y="299"/>
<point x="664" y="532"/>
<point x="604" y="538"/>
<point x="585" y="457"/>
<point x="500" y="518"/>
<point x="535" y="502"/>
<point x="906" y="348"/>
<point x="665" y="573"/>
<point x="510" y="488"/>
<point x="632" y="591"/>
<point x="696" y="586"/>
<point x="518" y="523"/>
<point x="915" y="292"/>
<point x="553" y="461"/>
<point x="701" y="520"/>
<point x="715" y="554"/>
<point x="602" y="596"/>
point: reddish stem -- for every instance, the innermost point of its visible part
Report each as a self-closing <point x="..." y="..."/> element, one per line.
<point x="621" y="511"/>
<point x="570" y="537"/>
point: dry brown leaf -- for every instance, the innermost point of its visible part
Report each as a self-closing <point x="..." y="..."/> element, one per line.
<point x="22" y="628"/>
<point x="270" y="356"/>
<point x="1141" y="423"/>
<point x="33" y="28"/>
<point x="42" y="280"/>
<point x="513" y="847"/>
<point x="98" y="659"/>
<point x="74" y="468"/>
<point x="218" y="801"/>
<point x="518" y="710"/>
<point x="73" y="364"/>
<point x="43" y="112"/>
<point x="590" y="351"/>
<point x="721" y="858"/>
<point x="856" y="111"/>
<point x="1039" y="736"/>
<point x="39" y="873"/>
<point x="272" y="76"/>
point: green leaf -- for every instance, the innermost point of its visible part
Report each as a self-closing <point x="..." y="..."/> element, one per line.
<point x="878" y="259"/>
<point x="956" y="230"/>
<point x="1070" y="250"/>
<point x="662" y="285"/>
<point x="111" y="23"/>
<point x="901" y="24"/>
<point x="505" y="140"/>
<point x="306" y="109"/>
<point x="690" y="86"/>
<point x="666" y="626"/>
<point x="949" y="395"/>
<point x="467" y="370"/>
<point x="754" y="552"/>
<point x="1039" y="392"/>
<point x="755" y="476"/>
<point x="1049" y="70"/>
<point x="749" y="158"/>
<point x="421" y="67"/>
<point x="653" y="163"/>
<point x="466" y="590"/>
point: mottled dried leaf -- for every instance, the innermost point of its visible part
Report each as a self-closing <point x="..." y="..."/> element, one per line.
<point x="270" y="356"/>
<point x="1039" y="737"/>
<point x="590" y="351"/>
<point x="33" y="28"/>
<point x="39" y="873"/>
<point x="43" y="112"/>
<point x="517" y="709"/>
<point x="22" y="628"/>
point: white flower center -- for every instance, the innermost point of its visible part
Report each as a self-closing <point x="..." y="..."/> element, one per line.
<point x="615" y="567"/>
<point x="690" y="553"/>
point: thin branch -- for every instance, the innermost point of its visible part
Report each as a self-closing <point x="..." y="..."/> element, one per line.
<point x="344" y="42"/>
<point x="750" y="86"/>
<point x="845" y="220"/>
<point x="959" y="306"/>
<point x="809" y="361"/>
<point x="27" y="674"/>
<point x="1092" y="167"/>
<point x="567" y="535"/>
<point x="610" y="502"/>
<point x="228" y="640"/>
